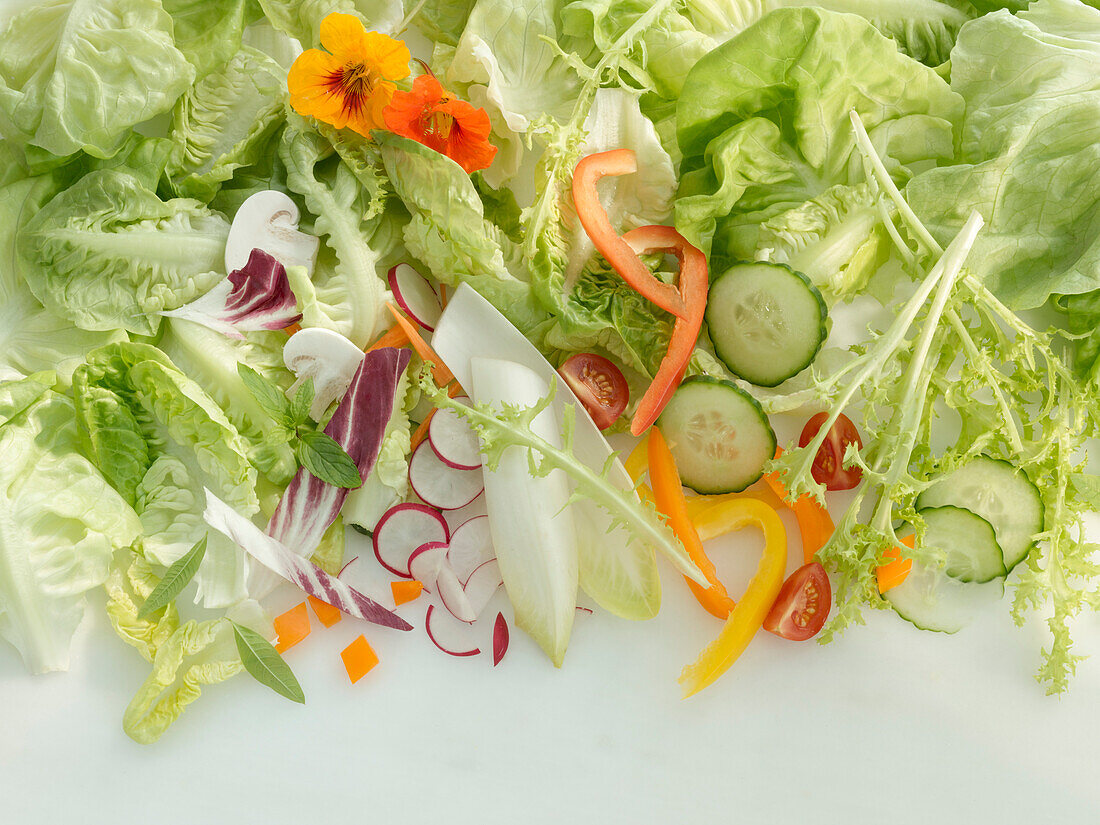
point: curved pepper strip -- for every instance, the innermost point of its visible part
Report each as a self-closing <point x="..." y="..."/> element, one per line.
<point x="669" y="496"/>
<point x="895" y="571"/>
<point x="593" y="218"/>
<point x="747" y="616"/>
<point x="814" y="522"/>
<point x="636" y="465"/>
<point x="693" y="285"/>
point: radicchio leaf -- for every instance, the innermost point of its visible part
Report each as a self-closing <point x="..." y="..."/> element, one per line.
<point x="299" y="571"/>
<point x="255" y="297"/>
<point x="309" y="505"/>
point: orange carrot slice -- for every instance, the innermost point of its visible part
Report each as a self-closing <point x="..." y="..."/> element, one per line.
<point x="359" y="659"/>
<point x="406" y="591"/>
<point x="292" y="328"/>
<point x="291" y="626"/>
<point x="395" y="336"/>
<point x="440" y="373"/>
<point x="326" y="613"/>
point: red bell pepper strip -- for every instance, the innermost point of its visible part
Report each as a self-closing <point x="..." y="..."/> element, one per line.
<point x="616" y="250"/>
<point x="693" y="285"/>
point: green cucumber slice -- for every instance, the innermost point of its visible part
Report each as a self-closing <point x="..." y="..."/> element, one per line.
<point x="718" y="434"/>
<point x="767" y="322"/>
<point x="969" y="542"/>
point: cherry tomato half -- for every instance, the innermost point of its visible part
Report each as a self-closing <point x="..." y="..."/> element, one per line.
<point x="598" y="384"/>
<point x="802" y="605"/>
<point x="828" y="463"/>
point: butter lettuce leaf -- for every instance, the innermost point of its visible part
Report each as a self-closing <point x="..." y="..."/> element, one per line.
<point x="60" y="524"/>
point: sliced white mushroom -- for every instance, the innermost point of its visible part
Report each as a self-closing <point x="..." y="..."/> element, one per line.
<point x="328" y="358"/>
<point x="268" y="220"/>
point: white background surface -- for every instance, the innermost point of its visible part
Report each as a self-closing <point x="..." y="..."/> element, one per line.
<point x="886" y="723"/>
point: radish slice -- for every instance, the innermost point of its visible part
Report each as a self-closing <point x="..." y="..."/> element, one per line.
<point x="482" y="584"/>
<point x="471" y="546"/>
<point x="402" y="529"/>
<point x="453" y="595"/>
<point x="453" y="441"/>
<point x="500" y="639"/>
<point x="444" y="633"/>
<point x="439" y="485"/>
<point x="415" y="295"/>
<point x="425" y="563"/>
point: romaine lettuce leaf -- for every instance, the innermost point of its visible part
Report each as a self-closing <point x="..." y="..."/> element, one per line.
<point x="107" y="253"/>
<point x="77" y="75"/>
<point x="60" y="523"/>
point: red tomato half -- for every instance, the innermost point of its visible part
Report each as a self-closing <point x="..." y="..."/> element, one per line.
<point x="598" y="384"/>
<point x="828" y="469"/>
<point x="802" y="605"/>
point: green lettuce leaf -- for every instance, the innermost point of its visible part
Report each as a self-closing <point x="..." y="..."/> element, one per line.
<point x="60" y="523"/>
<point x="107" y="253"/>
<point x="159" y="439"/>
<point x="763" y="121"/>
<point x="225" y="121"/>
<point x="208" y="32"/>
<point x="77" y="76"/>
<point x="1027" y="159"/>
<point x="448" y="231"/>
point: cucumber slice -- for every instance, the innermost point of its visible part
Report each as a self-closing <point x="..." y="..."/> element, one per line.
<point x="999" y="493"/>
<point x="718" y="435"/>
<point x="932" y="600"/>
<point x="969" y="541"/>
<point x="767" y="321"/>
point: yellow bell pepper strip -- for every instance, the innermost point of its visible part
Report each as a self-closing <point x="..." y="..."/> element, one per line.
<point x="693" y="283"/>
<point x="897" y="569"/>
<point x="698" y="506"/>
<point x="669" y="496"/>
<point x="814" y="522"/>
<point x="747" y="616"/>
<point x="636" y="464"/>
<point x="593" y="218"/>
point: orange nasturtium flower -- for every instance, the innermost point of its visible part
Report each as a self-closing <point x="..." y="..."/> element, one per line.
<point x="352" y="82"/>
<point x="431" y="115"/>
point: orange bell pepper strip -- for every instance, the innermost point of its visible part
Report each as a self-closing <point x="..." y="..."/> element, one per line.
<point x="693" y="285"/>
<point x="291" y="627"/>
<point x="897" y="569"/>
<point x="669" y="496"/>
<point x="325" y="612"/>
<point x="616" y="250"/>
<point x="747" y="616"/>
<point x="814" y="522"/>
<point x="405" y="591"/>
<point x="359" y="659"/>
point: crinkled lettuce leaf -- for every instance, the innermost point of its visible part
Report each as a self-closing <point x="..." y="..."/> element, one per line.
<point x="108" y="253"/>
<point x="159" y="439"/>
<point x="225" y="121"/>
<point x="763" y="125"/>
<point x="77" y="75"/>
<point x="60" y="523"/>
<point x="208" y="32"/>
<point x="1028" y="157"/>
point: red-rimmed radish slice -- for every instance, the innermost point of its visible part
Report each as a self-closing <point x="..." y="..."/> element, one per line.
<point x="453" y="441"/>
<point x="447" y="633"/>
<point x="471" y="546"/>
<point x="482" y="584"/>
<point x="402" y="529"/>
<point x="425" y="563"/>
<point x="500" y="639"/>
<point x="415" y="295"/>
<point x="439" y="485"/>
<point x="453" y="595"/>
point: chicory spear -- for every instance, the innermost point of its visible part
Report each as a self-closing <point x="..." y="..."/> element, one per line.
<point x="255" y="297"/>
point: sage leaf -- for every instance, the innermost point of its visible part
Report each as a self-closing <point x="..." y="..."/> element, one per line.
<point x="263" y="662"/>
<point x="322" y="456"/>
<point x="175" y="579"/>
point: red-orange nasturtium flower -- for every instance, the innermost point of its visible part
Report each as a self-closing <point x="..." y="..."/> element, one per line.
<point x="353" y="81"/>
<point x="431" y="115"/>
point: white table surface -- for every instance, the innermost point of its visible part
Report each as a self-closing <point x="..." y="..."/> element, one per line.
<point x="886" y="723"/>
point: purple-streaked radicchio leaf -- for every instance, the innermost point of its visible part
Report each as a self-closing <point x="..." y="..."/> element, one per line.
<point x="274" y="555"/>
<point x="255" y="297"/>
<point x="309" y="505"/>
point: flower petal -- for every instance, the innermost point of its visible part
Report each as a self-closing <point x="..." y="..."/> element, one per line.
<point x="344" y="36"/>
<point x="390" y="57"/>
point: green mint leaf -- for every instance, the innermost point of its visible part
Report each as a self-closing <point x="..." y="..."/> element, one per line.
<point x="303" y="400"/>
<point x="175" y="579"/>
<point x="326" y="459"/>
<point x="263" y="662"/>
<point x="267" y="395"/>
